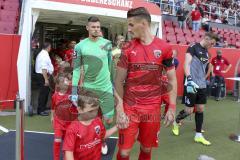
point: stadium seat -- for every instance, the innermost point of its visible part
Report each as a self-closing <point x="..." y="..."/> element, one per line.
<point x="201" y="33"/>
<point x="170" y="34"/>
<point x="171" y="39"/>
<point x="190" y="40"/>
<point x="7" y="27"/>
<point x="179" y="31"/>
<point x="221" y="31"/>
<point x="10" y="6"/>
<point x="238" y="36"/>
<point x="169" y="30"/>
<point x="229" y="41"/>
<point x="181" y="40"/>
<point x="7" y="16"/>
<point x="233" y="42"/>
<point x="226" y="30"/>
<point x="238" y="44"/>
<point x="168" y="23"/>
<point x="175" y="24"/>
<point x="215" y="30"/>
<point x="232" y="31"/>
<point x="187" y="32"/>
<point x="182" y="43"/>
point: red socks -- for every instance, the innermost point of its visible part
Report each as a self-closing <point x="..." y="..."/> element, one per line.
<point x="56" y="150"/>
<point x="144" y="156"/>
<point x="119" y="157"/>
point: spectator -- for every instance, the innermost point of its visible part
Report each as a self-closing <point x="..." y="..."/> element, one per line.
<point x="205" y="24"/>
<point x="182" y="15"/>
<point x="217" y="20"/>
<point x="224" y="20"/>
<point x="196" y="18"/>
<point x="43" y="68"/>
<point x="219" y="70"/>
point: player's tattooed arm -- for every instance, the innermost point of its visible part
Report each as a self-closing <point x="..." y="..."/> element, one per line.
<point x="121" y="120"/>
<point x="170" y="115"/>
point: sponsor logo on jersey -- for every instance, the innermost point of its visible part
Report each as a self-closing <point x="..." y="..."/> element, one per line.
<point x="97" y="129"/>
<point x="157" y="53"/>
<point x="74" y="54"/>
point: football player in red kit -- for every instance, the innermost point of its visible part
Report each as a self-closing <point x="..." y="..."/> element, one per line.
<point x="84" y="138"/>
<point x="138" y="86"/>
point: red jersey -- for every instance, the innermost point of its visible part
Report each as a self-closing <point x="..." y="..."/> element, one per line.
<point x="85" y="141"/>
<point x="219" y="65"/>
<point x="196" y="15"/>
<point x="68" y="54"/>
<point x="144" y="64"/>
<point x="65" y="112"/>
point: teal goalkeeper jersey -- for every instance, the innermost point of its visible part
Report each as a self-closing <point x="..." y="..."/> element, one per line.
<point x="95" y="57"/>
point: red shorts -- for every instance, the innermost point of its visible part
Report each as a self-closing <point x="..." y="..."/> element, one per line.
<point x="60" y="128"/>
<point x="144" y="124"/>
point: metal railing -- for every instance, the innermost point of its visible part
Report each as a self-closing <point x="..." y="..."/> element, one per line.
<point x="19" y="143"/>
<point x="211" y="10"/>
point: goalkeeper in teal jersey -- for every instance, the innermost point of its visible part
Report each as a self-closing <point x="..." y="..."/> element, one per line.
<point x="93" y="64"/>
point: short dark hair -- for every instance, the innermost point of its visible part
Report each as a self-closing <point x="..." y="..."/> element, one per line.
<point x="139" y="12"/>
<point x="46" y="45"/>
<point x="87" y="97"/>
<point x="93" y="19"/>
<point x="212" y="36"/>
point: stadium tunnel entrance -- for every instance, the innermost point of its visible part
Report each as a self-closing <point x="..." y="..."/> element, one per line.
<point x="64" y="19"/>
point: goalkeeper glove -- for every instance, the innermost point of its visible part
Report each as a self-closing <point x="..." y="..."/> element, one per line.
<point x="191" y="86"/>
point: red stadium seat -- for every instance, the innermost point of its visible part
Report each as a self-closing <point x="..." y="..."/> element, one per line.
<point x="7" y="27"/>
<point x="233" y="42"/>
<point x="237" y="32"/>
<point x="226" y="30"/>
<point x="229" y="41"/>
<point x="201" y="33"/>
<point x="182" y="42"/>
<point x="179" y="31"/>
<point x="215" y="30"/>
<point x="170" y="34"/>
<point x="8" y="16"/>
<point x="169" y="30"/>
<point x="175" y="24"/>
<point x="232" y="31"/>
<point x="10" y="6"/>
<point x="238" y="44"/>
<point x="190" y="40"/>
<point x="187" y="32"/>
<point x="168" y="23"/>
<point x="171" y="39"/>
<point x="221" y="31"/>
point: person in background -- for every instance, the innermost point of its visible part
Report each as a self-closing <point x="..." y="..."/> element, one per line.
<point x="196" y="19"/>
<point x="69" y="52"/>
<point x="182" y="16"/>
<point x="43" y="68"/>
<point x="219" y="63"/>
<point x="116" y="52"/>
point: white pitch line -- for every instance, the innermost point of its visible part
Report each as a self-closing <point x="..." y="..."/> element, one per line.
<point x="5" y="130"/>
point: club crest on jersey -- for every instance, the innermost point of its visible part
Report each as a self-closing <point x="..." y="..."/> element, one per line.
<point x="157" y="53"/>
<point x="97" y="129"/>
<point x="74" y="55"/>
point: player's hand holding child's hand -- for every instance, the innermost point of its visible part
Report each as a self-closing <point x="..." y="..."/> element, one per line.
<point x="122" y="120"/>
<point x="169" y="117"/>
